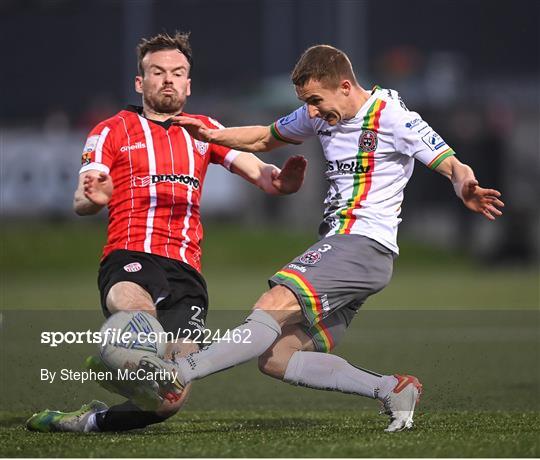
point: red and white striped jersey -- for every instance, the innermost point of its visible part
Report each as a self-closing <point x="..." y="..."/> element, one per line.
<point x="158" y="171"/>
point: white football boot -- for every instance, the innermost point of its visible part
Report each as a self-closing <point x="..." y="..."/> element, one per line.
<point x="400" y="403"/>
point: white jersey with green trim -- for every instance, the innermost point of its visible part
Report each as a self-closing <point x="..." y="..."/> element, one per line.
<point x="369" y="160"/>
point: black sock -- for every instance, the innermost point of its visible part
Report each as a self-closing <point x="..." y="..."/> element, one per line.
<point x="126" y="416"/>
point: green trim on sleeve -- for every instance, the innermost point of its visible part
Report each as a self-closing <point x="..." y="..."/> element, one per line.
<point x="275" y="132"/>
<point x="439" y="159"/>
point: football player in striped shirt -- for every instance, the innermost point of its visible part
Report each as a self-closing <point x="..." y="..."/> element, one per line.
<point x="149" y="173"/>
<point x="370" y="142"/>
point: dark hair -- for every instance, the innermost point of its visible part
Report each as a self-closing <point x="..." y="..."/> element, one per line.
<point x="323" y="63"/>
<point x="179" y="41"/>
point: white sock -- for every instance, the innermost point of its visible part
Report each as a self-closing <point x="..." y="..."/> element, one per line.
<point x="256" y="335"/>
<point x="330" y="372"/>
<point x="91" y="424"/>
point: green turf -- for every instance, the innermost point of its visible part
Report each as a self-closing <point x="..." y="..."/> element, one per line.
<point x="479" y="370"/>
<point x="292" y="434"/>
<point x="55" y="266"/>
<point x="472" y="334"/>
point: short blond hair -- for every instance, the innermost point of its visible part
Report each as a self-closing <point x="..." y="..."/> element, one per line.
<point x="323" y="63"/>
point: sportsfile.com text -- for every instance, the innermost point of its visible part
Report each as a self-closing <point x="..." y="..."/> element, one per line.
<point x="124" y="338"/>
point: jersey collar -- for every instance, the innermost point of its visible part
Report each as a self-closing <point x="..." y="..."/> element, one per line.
<point x="365" y="106"/>
<point x="139" y="110"/>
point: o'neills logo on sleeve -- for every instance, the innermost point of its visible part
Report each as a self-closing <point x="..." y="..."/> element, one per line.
<point x="173" y="178"/>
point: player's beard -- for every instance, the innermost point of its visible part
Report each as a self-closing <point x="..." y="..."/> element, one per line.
<point x="164" y="103"/>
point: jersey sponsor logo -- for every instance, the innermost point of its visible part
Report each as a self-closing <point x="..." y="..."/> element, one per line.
<point x="413" y="123"/>
<point x="202" y="147"/>
<point x="297" y="267"/>
<point x="326" y="132"/>
<point x="137" y="146"/>
<point x="310" y="257"/>
<point x="350" y="167"/>
<point x="368" y="140"/>
<point x="433" y="140"/>
<point x="288" y="119"/>
<point x="91" y="144"/>
<point x="185" y="179"/>
<point x="133" y="267"/>
<point x="137" y="181"/>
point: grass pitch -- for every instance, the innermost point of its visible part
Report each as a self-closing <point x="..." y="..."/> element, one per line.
<point x="291" y="434"/>
<point x="470" y="334"/>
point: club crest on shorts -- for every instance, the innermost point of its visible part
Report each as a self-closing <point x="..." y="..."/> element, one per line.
<point x="368" y="140"/>
<point x="310" y="257"/>
<point x="132" y="267"/>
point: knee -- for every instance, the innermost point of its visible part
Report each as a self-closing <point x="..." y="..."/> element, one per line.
<point x="281" y="304"/>
<point x="168" y="409"/>
<point x="277" y="298"/>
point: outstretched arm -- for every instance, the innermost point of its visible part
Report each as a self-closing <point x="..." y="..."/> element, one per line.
<point x="268" y="177"/>
<point x="93" y="192"/>
<point x="484" y="201"/>
<point x="247" y="138"/>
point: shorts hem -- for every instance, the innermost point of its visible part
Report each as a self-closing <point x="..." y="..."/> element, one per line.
<point x="310" y="322"/>
<point x="318" y="348"/>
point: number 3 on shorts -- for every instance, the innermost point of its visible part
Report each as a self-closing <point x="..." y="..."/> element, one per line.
<point x="326" y="247"/>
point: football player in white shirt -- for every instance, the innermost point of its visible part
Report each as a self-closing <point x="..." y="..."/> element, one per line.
<point x="370" y="141"/>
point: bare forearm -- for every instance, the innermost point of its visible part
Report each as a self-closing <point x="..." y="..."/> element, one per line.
<point x="269" y="177"/>
<point x="93" y="192"/>
<point x="253" y="170"/>
<point x="484" y="201"/>
<point x="248" y="138"/>
<point x="458" y="173"/>
<point x="83" y="206"/>
<point x="247" y="165"/>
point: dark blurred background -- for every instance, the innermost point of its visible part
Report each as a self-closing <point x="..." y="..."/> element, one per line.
<point x="471" y="68"/>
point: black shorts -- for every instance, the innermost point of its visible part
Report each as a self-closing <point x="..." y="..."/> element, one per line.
<point x="177" y="289"/>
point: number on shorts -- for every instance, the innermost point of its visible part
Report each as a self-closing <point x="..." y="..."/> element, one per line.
<point x="326" y="247"/>
<point x="195" y="316"/>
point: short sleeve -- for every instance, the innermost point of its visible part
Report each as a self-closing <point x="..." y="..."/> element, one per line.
<point x="98" y="152"/>
<point x="415" y="138"/>
<point x="218" y="153"/>
<point x="294" y="128"/>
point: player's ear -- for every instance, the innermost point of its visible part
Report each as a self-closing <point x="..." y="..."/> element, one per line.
<point x="188" y="87"/>
<point x="138" y="84"/>
<point x="345" y="87"/>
